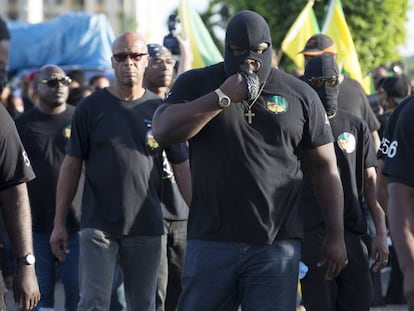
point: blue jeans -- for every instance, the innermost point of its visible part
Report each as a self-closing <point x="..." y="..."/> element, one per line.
<point x="139" y="258"/>
<point x="223" y="276"/>
<point x="45" y="271"/>
<point x="173" y="244"/>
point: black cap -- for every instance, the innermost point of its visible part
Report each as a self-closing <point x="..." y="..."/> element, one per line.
<point x="319" y="44"/>
<point x="155" y="50"/>
<point x="396" y="87"/>
<point x="4" y="30"/>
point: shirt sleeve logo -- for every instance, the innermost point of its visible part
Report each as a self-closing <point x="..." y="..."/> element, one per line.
<point x="151" y="142"/>
<point x="67" y="131"/>
<point x="276" y="104"/>
<point x="347" y="142"/>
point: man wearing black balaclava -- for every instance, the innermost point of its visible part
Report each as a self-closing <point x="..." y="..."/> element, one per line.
<point x="356" y="157"/>
<point x="247" y="123"/>
<point x="15" y="171"/>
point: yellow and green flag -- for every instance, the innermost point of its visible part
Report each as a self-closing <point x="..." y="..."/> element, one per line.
<point x="335" y="26"/>
<point x="205" y="52"/>
<point x="304" y="27"/>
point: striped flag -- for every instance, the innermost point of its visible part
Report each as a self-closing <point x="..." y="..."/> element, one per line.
<point x="205" y="52"/>
<point x="304" y="27"/>
<point x="335" y="26"/>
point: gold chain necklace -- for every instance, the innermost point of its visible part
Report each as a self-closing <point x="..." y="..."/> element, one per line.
<point x="249" y="114"/>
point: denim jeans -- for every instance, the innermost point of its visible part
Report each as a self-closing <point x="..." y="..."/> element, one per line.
<point x="139" y="258"/>
<point x="118" y="302"/>
<point x="221" y="276"/>
<point x="173" y="246"/>
<point x="46" y="271"/>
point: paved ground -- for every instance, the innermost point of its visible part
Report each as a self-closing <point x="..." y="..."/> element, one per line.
<point x="60" y="307"/>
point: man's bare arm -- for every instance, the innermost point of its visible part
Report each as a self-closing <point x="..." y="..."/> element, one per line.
<point x="401" y="222"/>
<point x="17" y="217"/>
<point x="328" y="190"/>
<point x="66" y="188"/>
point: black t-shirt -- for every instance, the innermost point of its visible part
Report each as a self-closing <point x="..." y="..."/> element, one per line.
<point x="122" y="164"/>
<point x="172" y="202"/>
<point x="352" y="98"/>
<point x="15" y="167"/>
<point x="44" y="137"/>
<point x="355" y="152"/>
<point x="399" y="165"/>
<point x="385" y="145"/>
<point x="247" y="177"/>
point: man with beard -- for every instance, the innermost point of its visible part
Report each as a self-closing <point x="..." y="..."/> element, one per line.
<point x="247" y="125"/>
<point x="45" y="131"/>
<point x="15" y="171"/>
<point x="355" y="152"/>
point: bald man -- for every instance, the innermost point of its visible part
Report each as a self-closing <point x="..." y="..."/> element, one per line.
<point x="121" y="211"/>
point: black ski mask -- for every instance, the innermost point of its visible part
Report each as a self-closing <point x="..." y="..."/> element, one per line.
<point x="247" y="30"/>
<point x="321" y="73"/>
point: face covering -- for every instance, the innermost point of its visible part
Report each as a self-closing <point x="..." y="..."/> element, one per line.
<point x="324" y="66"/>
<point x="247" y="30"/>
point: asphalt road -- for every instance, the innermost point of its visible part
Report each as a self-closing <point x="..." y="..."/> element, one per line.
<point x="60" y="304"/>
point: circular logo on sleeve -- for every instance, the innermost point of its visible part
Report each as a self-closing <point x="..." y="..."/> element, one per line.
<point x="151" y="142"/>
<point x="347" y="142"/>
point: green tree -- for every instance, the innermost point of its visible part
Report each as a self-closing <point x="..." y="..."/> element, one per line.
<point x="377" y="26"/>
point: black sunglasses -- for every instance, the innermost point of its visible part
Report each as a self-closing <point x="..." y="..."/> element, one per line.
<point x="121" y="57"/>
<point x="54" y="82"/>
<point x="319" y="81"/>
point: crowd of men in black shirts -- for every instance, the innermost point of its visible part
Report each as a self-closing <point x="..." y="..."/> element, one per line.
<point x="238" y="116"/>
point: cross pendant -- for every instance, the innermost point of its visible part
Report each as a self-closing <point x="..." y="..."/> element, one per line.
<point x="249" y="114"/>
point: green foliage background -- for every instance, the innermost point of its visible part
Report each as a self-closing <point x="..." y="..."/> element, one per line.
<point x="377" y="26"/>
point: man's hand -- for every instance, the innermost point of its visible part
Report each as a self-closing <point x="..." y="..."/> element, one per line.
<point x="235" y="87"/>
<point x="333" y="253"/>
<point x="59" y="242"/>
<point x="25" y="288"/>
<point x="380" y="253"/>
<point x="252" y="83"/>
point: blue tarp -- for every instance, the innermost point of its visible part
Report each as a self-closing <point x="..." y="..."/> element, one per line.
<point x="80" y="40"/>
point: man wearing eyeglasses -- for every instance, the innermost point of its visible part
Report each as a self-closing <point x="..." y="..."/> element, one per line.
<point x="248" y="126"/>
<point x="356" y="157"/>
<point x="121" y="215"/>
<point x="45" y="131"/>
<point x="15" y="171"/>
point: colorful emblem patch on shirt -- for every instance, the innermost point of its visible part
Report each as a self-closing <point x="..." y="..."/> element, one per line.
<point x="276" y="104"/>
<point x="346" y="141"/>
<point x="67" y="131"/>
<point x="151" y="142"/>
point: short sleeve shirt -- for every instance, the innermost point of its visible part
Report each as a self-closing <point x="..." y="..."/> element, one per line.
<point x="15" y="167"/>
<point x="355" y="152"/>
<point x="44" y="137"/>
<point x="353" y="99"/>
<point x="247" y="177"/>
<point x="399" y="165"/>
<point x="122" y="164"/>
<point x="389" y="129"/>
